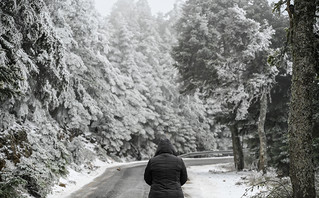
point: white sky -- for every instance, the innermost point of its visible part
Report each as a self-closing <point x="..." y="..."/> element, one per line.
<point x="105" y="6"/>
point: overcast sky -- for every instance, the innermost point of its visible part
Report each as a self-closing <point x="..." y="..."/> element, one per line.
<point x="105" y="6"/>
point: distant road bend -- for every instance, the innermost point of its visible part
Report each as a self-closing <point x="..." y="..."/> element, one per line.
<point x="127" y="181"/>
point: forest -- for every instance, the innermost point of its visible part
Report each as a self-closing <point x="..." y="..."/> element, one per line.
<point x="208" y="75"/>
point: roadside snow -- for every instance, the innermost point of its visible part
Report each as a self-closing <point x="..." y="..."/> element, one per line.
<point x="218" y="181"/>
<point x="75" y="180"/>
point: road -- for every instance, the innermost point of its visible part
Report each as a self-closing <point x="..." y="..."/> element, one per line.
<point x="127" y="181"/>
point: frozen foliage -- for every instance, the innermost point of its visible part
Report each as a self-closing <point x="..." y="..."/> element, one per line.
<point x="88" y="81"/>
<point x="142" y="56"/>
<point x="216" y="50"/>
<point x="110" y="83"/>
<point x="222" y="50"/>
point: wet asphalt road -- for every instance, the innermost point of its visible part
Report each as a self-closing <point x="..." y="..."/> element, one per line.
<point x="127" y="181"/>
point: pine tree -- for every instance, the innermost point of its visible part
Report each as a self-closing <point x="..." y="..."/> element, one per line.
<point x="142" y="55"/>
<point x="216" y="46"/>
<point x="34" y="52"/>
<point x="275" y="123"/>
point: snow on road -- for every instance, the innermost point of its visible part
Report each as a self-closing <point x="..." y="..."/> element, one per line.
<point x="77" y="179"/>
<point x="218" y="180"/>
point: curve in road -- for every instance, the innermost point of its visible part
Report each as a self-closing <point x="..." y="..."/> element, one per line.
<point x="127" y="181"/>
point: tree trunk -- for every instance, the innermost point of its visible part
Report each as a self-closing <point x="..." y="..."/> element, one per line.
<point x="262" y="166"/>
<point x="237" y="148"/>
<point x="300" y="116"/>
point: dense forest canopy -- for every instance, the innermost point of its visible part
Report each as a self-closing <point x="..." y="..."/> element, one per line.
<point x="76" y="86"/>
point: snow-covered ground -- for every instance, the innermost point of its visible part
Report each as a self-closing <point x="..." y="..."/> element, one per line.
<point x="77" y="179"/>
<point x="219" y="180"/>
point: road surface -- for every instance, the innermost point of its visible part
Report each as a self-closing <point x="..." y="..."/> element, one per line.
<point x="127" y="181"/>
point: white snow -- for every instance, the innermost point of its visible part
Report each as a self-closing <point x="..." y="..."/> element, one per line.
<point x="75" y="180"/>
<point x="218" y="181"/>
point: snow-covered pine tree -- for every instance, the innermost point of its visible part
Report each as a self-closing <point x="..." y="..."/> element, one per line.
<point x="32" y="46"/>
<point x="217" y="42"/>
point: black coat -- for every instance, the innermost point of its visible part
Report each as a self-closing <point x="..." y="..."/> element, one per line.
<point x="165" y="173"/>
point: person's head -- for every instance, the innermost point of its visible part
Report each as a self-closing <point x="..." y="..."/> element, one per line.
<point x="165" y="146"/>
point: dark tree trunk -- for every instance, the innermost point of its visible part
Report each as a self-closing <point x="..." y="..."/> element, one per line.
<point x="300" y="117"/>
<point x="262" y="166"/>
<point x="237" y="148"/>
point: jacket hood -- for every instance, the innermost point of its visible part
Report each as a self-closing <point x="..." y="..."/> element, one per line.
<point x="165" y="146"/>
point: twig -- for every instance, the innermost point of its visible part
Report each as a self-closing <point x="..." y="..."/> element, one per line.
<point x="264" y="184"/>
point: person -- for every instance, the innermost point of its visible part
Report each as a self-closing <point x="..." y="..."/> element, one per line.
<point x="165" y="172"/>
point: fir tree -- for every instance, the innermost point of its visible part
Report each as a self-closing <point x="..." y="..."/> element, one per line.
<point x="216" y="47"/>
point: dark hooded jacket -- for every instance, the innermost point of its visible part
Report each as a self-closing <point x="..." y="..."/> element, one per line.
<point x="165" y="172"/>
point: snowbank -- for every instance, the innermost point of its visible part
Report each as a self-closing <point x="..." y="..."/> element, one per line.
<point x="218" y="181"/>
<point x="75" y="180"/>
